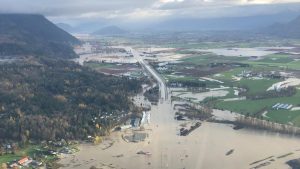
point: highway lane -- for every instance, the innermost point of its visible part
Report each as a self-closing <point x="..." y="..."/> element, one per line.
<point x="161" y="82"/>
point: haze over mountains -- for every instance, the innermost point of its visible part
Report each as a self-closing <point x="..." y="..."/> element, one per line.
<point x="285" y="30"/>
<point x="271" y="24"/>
<point x="84" y="27"/>
<point x="110" y="30"/>
<point x="31" y="34"/>
<point x="35" y="35"/>
<point x="221" y="24"/>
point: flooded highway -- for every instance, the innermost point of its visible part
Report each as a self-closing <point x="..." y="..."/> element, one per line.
<point x="149" y="69"/>
<point x="212" y="145"/>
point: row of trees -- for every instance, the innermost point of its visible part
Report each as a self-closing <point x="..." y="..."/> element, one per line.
<point x="287" y="92"/>
<point x="259" y="123"/>
<point x="152" y="94"/>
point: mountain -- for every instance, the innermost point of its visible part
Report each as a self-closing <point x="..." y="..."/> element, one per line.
<point x="84" y="27"/>
<point x="32" y="34"/>
<point x="224" y="23"/>
<point x="110" y="30"/>
<point x="285" y="30"/>
<point x="65" y="27"/>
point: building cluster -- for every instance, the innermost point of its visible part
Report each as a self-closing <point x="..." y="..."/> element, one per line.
<point x="283" y="106"/>
<point x="146" y="118"/>
<point x="175" y="84"/>
<point x="148" y="54"/>
<point x="35" y="158"/>
<point x="25" y="162"/>
<point x="251" y="74"/>
<point x="162" y="66"/>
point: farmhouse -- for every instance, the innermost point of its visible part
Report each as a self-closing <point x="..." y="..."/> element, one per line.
<point x="162" y="68"/>
<point x="24" y="161"/>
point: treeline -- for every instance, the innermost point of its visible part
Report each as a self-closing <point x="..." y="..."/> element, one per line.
<point x="43" y="49"/>
<point x="185" y="83"/>
<point x="54" y="99"/>
<point x="286" y="92"/>
<point x="254" y="122"/>
<point x="152" y="94"/>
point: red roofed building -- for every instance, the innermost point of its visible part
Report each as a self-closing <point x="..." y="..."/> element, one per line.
<point x="23" y="160"/>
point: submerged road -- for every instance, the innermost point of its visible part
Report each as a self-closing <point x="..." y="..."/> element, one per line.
<point x="161" y="82"/>
<point x="205" y="148"/>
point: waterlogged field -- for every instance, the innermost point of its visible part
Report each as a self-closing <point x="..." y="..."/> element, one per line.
<point x="221" y="84"/>
<point x="276" y="58"/>
<point x="257" y="107"/>
<point x="229" y="70"/>
<point x="257" y="85"/>
<point x="224" y="62"/>
<point x="118" y="69"/>
<point x="226" y="44"/>
<point x="281" y="63"/>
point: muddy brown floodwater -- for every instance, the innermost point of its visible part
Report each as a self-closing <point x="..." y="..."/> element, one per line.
<point x="206" y="147"/>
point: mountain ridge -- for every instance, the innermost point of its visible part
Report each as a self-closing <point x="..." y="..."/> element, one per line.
<point x="110" y="30"/>
<point x="33" y="34"/>
<point x="284" y="30"/>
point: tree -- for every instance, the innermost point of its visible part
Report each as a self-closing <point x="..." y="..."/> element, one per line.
<point x="97" y="140"/>
<point x="2" y="150"/>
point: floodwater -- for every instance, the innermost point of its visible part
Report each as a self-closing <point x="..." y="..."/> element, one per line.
<point x="206" y="147"/>
<point x="108" y="58"/>
<point x="7" y="60"/>
<point x="198" y="97"/>
<point x="242" y="52"/>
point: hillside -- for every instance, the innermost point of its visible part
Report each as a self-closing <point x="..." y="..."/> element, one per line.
<point x="110" y="30"/>
<point x="30" y="34"/>
<point x="65" y="27"/>
<point x="284" y="30"/>
<point x="55" y="99"/>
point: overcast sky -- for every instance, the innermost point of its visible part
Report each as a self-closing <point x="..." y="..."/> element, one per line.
<point x="72" y="11"/>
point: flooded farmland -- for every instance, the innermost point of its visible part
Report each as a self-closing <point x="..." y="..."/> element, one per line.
<point x="211" y="145"/>
<point x="206" y="147"/>
<point x="246" y="52"/>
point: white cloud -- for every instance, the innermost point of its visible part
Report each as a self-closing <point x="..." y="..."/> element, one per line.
<point x="138" y="14"/>
<point x="142" y="9"/>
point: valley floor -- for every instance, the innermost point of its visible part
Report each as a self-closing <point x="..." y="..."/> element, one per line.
<point x="212" y="145"/>
<point x="206" y="147"/>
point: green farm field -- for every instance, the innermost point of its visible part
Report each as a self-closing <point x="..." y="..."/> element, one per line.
<point x="252" y="107"/>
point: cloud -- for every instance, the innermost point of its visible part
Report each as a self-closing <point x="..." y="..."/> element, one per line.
<point x="71" y="7"/>
<point x="180" y="4"/>
<point x="136" y="10"/>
